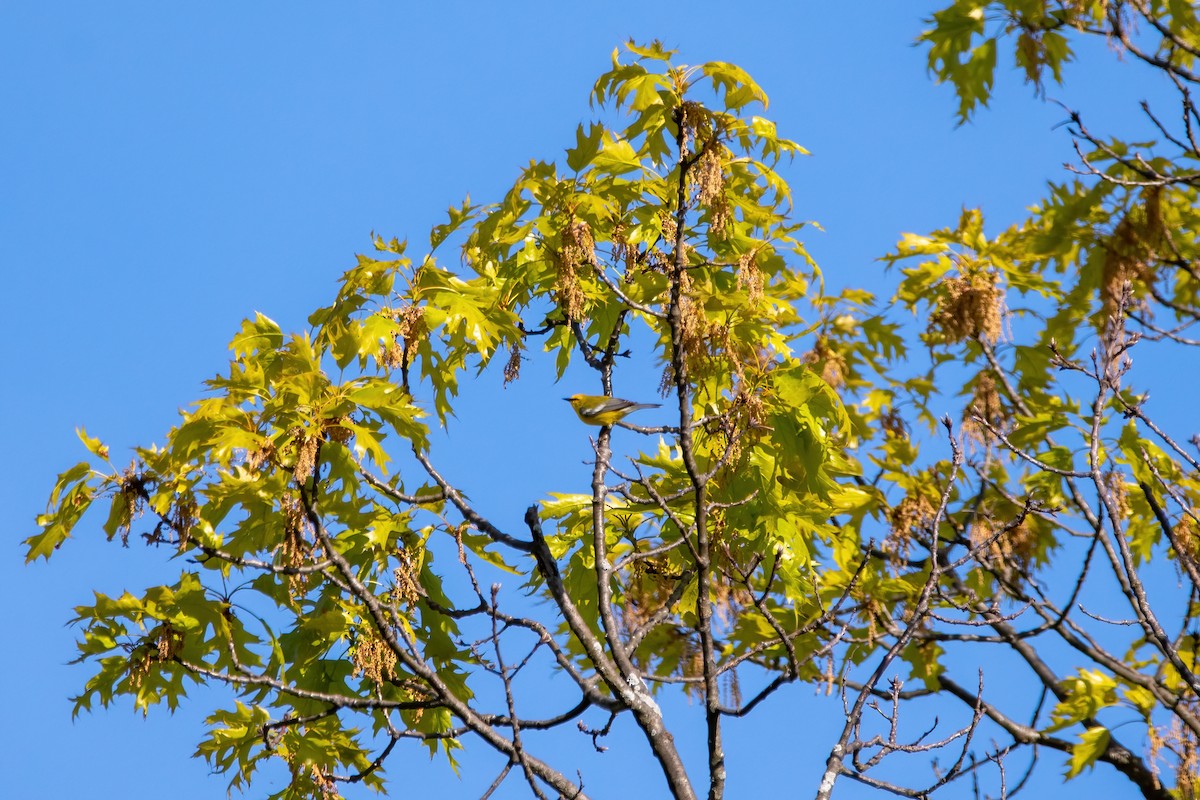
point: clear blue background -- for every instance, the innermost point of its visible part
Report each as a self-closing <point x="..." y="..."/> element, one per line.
<point x="168" y="168"/>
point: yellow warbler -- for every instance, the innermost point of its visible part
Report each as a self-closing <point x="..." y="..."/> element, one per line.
<point x="601" y="410"/>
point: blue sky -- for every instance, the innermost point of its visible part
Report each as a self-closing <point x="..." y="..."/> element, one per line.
<point x="169" y="168"/>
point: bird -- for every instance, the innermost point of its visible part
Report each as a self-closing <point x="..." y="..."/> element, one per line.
<point x="601" y="410"/>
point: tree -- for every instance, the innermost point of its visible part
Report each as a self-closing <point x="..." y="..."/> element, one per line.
<point x="809" y="513"/>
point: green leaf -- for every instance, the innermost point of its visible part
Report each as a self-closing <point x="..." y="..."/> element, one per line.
<point x="457" y="218"/>
<point x="735" y="85"/>
<point x="952" y="35"/>
<point x="1141" y="698"/>
<point x="1087" y="693"/>
<point x="259" y="335"/>
<point x="70" y="499"/>
<point x="616" y="157"/>
<point x="586" y="147"/>
<point x="1091" y="745"/>
<point x="94" y="446"/>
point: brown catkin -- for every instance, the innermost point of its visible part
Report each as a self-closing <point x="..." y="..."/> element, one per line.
<point x="972" y="306"/>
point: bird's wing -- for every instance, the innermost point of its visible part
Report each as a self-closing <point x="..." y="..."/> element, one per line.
<point x="603" y="405"/>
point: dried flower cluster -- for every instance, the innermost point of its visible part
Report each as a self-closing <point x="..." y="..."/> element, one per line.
<point x="163" y="644"/>
<point x="1118" y="493"/>
<point x="1132" y="248"/>
<point x="131" y="488"/>
<point x="972" y="307"/>
<point x="512" y="367"/>
<point x="412" y="329"/>
<point x="406" y="588"/>
<point x="750" y="277"/>
<point x="263" y="454"/>
<point x="325" y="784"/>
<point x="693" y="117"/>
<point x="1010" y="552"/>
<point x="1187" y="538"/>
<point x="1176" y="745"/>
<point x="305" y="448"/>
<point x="335" y="429"/>
<point x="831" y="364"/>
<point x="645" y="593"/>
<point x="893" y="424"/>
<point x="669" y="228"/>
<point x="294" y="549"/>
<point x="373" y="659"/>
<point x="709" y="177"/>
<point x="183" y="517"/>
<point x="577" y="249"/>
<point x="985" y="405"/>
<point x="908" y="518"/>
